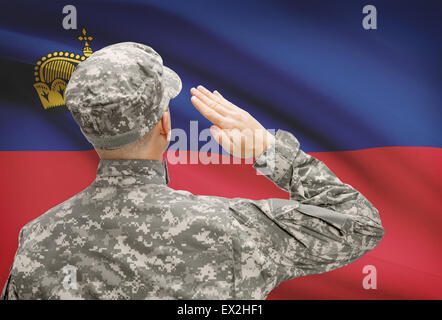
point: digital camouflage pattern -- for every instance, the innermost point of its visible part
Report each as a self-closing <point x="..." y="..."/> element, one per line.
<point x="130" y="236"/>
<point x="120" y="93"/>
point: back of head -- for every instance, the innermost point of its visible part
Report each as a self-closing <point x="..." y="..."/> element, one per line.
<point x="120" y="93"/>
<point x="140" y="149"/>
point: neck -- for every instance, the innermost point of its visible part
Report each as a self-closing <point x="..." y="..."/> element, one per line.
<point x="147" y="148"/>
<point x="124" y="155"/>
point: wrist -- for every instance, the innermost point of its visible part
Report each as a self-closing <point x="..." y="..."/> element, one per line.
<point x="267" y="141"/>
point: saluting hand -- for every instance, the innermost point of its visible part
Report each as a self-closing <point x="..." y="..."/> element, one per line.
<point x="234" y="128"/>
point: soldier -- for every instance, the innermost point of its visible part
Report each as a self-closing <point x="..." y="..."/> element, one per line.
<point x="129" y="236"/>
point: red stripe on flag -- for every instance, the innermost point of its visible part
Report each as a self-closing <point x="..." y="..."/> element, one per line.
<point x="404" y="183"/>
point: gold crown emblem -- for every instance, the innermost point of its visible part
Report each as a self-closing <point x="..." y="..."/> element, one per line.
<point x="53" y="71"/>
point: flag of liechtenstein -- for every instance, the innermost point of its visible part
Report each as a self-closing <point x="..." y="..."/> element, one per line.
<point x="367" y="102"/>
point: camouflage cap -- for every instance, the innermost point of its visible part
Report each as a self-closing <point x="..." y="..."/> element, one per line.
<point x="120" y="93"/>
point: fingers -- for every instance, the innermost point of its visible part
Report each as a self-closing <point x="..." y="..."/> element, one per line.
<point x="216" y="93"/>
<point x="235" y="129"/>
<point x="211" y="101"/>
<point x="222" y="138"/>
<point x="209" y="94"/>
<point x="208" y="112"/>
<point x="226" y="102"/>
<point x="218" y="98"/>
<point x="217" y="109"/>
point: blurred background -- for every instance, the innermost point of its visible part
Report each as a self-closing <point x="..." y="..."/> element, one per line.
<point x="366" y="102"/>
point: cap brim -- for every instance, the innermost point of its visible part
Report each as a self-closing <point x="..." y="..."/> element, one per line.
<point x="172" y="82"/>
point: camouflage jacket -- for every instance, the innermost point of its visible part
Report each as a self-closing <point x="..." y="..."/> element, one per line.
<point x="129" y="236"/>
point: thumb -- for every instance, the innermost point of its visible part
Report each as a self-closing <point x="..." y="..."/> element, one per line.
<point x="221" y="137"/>
<point x="216" y="133"/>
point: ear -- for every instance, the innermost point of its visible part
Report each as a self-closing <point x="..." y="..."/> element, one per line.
<point x="165" y="123"/>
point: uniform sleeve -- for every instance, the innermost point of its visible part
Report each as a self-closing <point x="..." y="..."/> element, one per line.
<point x="9" y="291"/>
<point x="325" y="225"/>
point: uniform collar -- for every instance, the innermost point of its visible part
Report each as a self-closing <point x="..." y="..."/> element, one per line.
<point x="133" y="171"/>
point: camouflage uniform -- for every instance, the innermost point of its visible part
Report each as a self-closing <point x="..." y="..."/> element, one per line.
<point x="119" y="93"/>
<point x="129" y="236"/>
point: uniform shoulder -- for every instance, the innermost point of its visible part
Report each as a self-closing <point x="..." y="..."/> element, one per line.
<point x="184" y="195"/>
<point x="180" y="199"/>
<point x="52" y="215"/>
